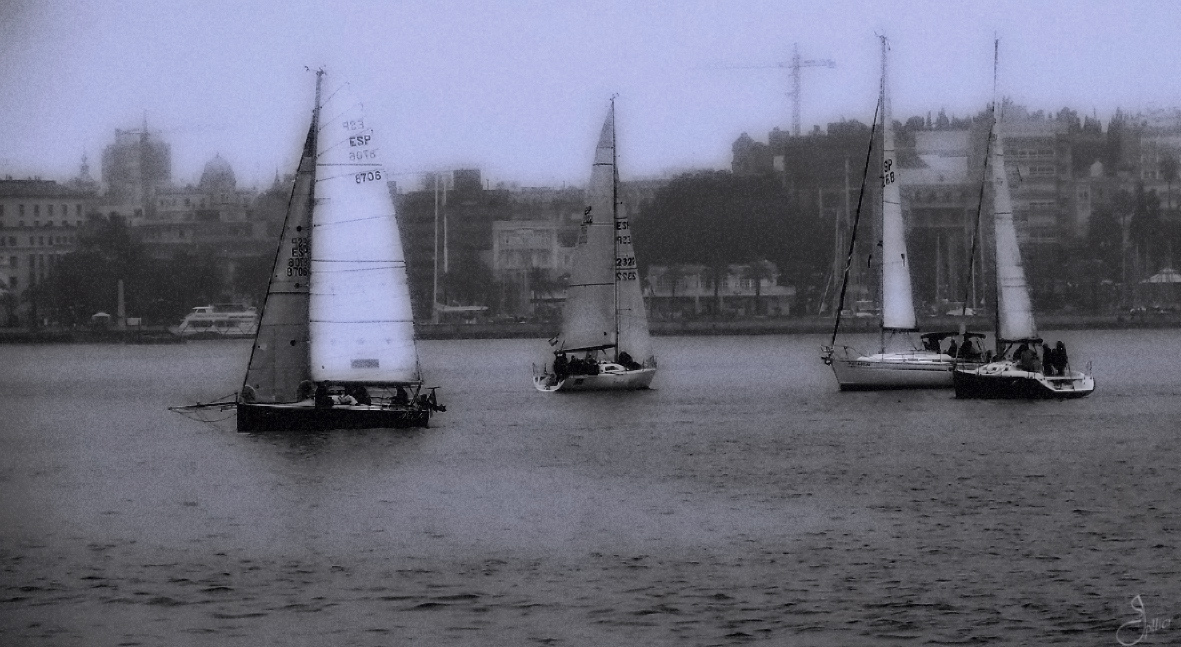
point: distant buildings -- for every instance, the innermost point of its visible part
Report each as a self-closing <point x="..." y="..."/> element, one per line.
<point x="39" y="224"/>
<point x="1063" y="169"/>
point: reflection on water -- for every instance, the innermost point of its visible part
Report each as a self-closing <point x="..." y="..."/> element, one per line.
<point x="742" y="499"/>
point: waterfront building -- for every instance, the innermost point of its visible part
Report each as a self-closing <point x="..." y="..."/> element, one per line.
<point x="39" y="224"/>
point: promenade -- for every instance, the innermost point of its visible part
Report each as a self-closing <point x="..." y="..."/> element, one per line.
<point x="687" y="327"/>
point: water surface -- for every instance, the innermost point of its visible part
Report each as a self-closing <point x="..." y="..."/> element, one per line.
<point x="742" y="500"/>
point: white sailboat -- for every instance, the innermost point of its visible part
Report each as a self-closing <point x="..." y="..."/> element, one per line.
<point x="604" y="342"/>
<point x="892" y="367"/>
<point x="1017" y="372"/>
<point x="335" y="344"/>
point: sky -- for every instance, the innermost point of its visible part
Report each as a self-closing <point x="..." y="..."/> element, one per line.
<point x="519" y="88"/>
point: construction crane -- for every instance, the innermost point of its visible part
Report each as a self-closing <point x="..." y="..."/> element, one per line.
<point x="796" y="65"/>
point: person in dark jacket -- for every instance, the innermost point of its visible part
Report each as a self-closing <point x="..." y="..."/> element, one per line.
<point x="1060" y="360"/>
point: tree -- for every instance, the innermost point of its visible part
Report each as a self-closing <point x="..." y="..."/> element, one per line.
<point x="673" y="275"/>
<point x="716" y="219"/>
<point x="1168" y="169"/>
<point x="757" y="271"/>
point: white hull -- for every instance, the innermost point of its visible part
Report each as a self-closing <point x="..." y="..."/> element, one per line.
<point x="606" y="380"/>
<point x="904" y="370"/>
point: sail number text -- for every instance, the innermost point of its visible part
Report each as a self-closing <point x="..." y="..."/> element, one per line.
<point x="361" y="141"/>
<point x="887" y="172"/>
<point x="353" y="124"/>
<point x="625" y="268"/>
<point x="299" y="262"/>
<point x="623" y="240"/>
<point x="367" y="176"/>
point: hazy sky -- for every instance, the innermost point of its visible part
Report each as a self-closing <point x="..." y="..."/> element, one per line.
<point x="519" y="88"/>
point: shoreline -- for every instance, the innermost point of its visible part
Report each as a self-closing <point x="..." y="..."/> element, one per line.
<point x="695" y="327"/>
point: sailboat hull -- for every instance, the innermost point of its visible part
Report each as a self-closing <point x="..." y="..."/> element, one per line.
<point x="304" y="416"/>
<point x="1003" y="380"/>
<point x="605" y="381"/>
<point x="904" y="370"/>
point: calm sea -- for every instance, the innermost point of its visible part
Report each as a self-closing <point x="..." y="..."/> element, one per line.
<point x="743" y="500"/>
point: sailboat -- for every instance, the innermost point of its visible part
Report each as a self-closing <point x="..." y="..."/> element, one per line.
<point x="1017" y="371"/>
<point x="335" y="344"/>
<point x="924" y="366"/>
<point x="604" y="343"/>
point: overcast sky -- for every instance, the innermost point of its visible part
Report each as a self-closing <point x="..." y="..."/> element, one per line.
<point x="519" y="88"/>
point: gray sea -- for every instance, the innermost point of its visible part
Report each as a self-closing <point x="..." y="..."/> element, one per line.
<point x="743" y="500"/>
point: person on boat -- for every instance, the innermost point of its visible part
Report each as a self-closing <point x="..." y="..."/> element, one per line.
<point x="401" y="397"/>
<point x="953" y="349"/>
<point x="1026" y="358"/>
<point x="561" y="366"/>
<point x="931" y="344"/>
<point x="322" y="399"/>
<point x="626" y="360"/>
<point x="969" y="351"/>
<point x="346" y="398"/>
<point x="248" y="393"/>
<point x="305" y="390"/>
<point x="1060" y="360"/>
<point x="359" y="393"/>
<point x="1047" y="360"/>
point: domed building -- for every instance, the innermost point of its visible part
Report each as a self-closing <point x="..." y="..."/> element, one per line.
<point x="212" y="219"/>
<point x="218" y="176"/>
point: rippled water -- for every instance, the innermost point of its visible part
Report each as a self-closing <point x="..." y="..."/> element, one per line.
<point x="743" y="500"/>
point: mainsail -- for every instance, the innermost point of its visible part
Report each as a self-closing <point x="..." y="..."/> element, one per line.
<point x="897" y="295"/>
<point x="279" y="359"/>
<point x="362" y="329"/>
<point x="1014" y="311"/>
<point x="604" y="301"/>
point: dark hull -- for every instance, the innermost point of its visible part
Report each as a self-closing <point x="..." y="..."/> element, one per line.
<point x="296" y="417"/>
<point x="969" y="384"/>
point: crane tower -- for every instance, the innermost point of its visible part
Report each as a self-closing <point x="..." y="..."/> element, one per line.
<point x="796" y="65"/>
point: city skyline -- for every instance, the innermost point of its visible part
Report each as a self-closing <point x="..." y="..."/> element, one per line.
<point x="517" y="89"/>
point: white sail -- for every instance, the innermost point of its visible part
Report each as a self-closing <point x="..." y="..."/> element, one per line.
<point x="634" y="338"/>
<point x="279" y="359"/>
<point x="361" y="327"/>
<point x="897" y="295"/>
<point x="588" y="318"/>
<point x="1015" y="313"/>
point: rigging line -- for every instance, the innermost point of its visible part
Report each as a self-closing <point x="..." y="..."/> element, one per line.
<point x="352" y="220"/>
<point x="361" y="321"/>
<point x="856" y="220"/>
<point x="343" y="111"/>
<point x="335" y="92"/>
<point x="325" y="164"/>
<point x="979" y="212"/>
<point x="392" y="261"/>
<point x="360" y="269"/>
